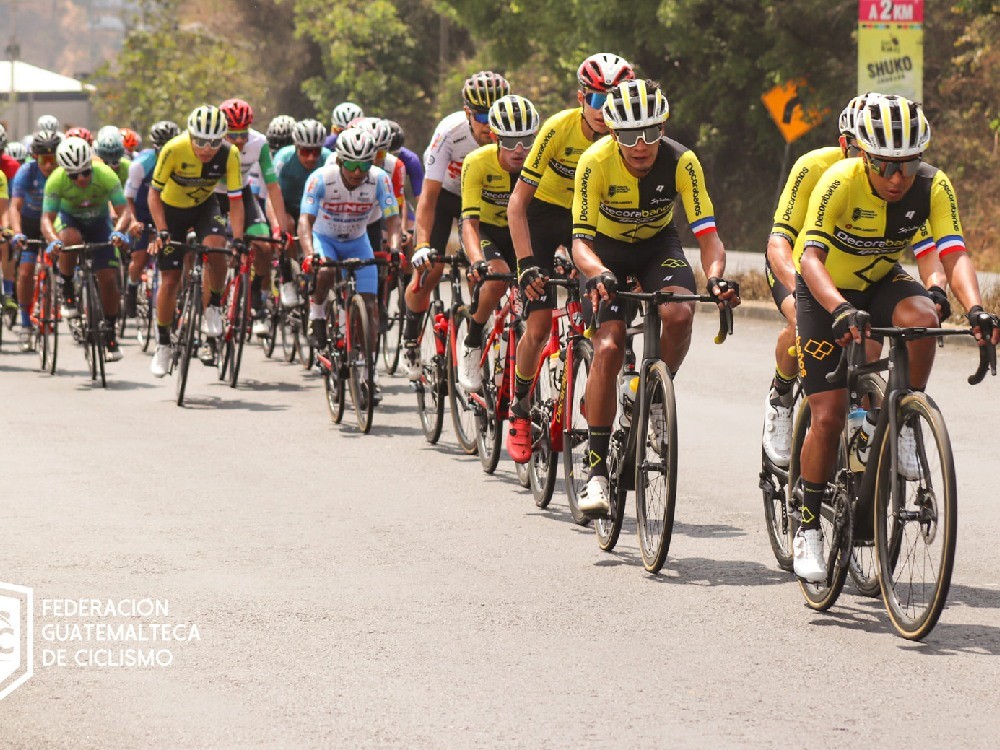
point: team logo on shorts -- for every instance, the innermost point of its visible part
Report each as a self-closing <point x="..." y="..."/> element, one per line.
<point x="674" y="263"/>
<point x="818" y="349"/>
<point x="901" y="277"/>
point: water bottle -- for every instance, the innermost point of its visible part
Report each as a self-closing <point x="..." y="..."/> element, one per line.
<point x="864" y="442"/>
<point x="628" y="384"/>
<point x="855" y="420"/>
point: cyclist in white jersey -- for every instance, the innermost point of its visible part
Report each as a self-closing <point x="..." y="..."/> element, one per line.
<point x="440" y="201"/>
<point x="339" y="202"/>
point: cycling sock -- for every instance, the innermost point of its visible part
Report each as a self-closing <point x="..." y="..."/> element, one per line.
<point x="522" y="387"/>
<point x="597" y="456"/>
<point x="214" y="299"/>
<point x="25" y="318"/>
<point x="781" y="387"/>
<point x="8" y="287"/>
<point x="255" y="285"/>
<point x="412" y="322"/>
<point x="67" y="285"/>
<point x="316" y="311"/>
<point x="812" y="499"/>
<point x="112" y="324"/>
<point x="474" y="338"/>
<point x="163" y="334"/>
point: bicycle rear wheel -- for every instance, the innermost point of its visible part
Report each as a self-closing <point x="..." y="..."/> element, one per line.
<point x="608" y="528"/>
<point x="432" y="385"/>
<point x="145" y="310"/>
<point x="241" y="328"/>
<point x="273" y="324"/>
<point x="393" y="312"/>
<point x="52" y="329"/>
<point x="544" y="462"/>
<point x="44" y="314"/>
<point x="863" y="567"/>
<point x="463" y="415"/>
<point x="576" y="437"/>
<point x="334" y="386"/>
<point x="656" y="468"/>
<point x="361" y="363"/>
<point x="916" y="521"/>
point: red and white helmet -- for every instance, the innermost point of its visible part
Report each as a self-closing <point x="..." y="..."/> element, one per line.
<point x="603" y="71"/>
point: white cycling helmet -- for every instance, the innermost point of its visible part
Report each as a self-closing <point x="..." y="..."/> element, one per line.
<point x="344" y="114"/>
<point x="356" y="144"/>
<point x="603" y="71"/>
<point x="635" y="104"/>
<point x="892" y="126"/>
<point x="74" y="155"/>
<point x="281" y="127"/>
<point x="309" y="133"/>
<point x="17" y="151"/>
<point x="109" y="145"/>
<point x="381" y="133"/>
<point x="3" y="137"/>
<point x="48" y="122"/>
<point x="207" y="122"/>
<point x="513" y="115"/>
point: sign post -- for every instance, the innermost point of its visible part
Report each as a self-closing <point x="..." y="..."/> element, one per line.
<point x="783" y="104"/>
<point x="891" y="47"/>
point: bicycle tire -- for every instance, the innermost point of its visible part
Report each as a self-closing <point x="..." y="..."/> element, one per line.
<point x="361" y="363"/>
<point x="543" y="466"/>
<point x="391" y="329"/>
<point x="224" y="348"/>
<point x="86" y="338"/>
<point x="54" y="318"/>
<point x="863" y="567"/>
<point x="430" y="401"/>
<point x="463" y="415"/>
<point x="240" y="329"/>
<point x="608" y="528"/>
<point x="188" y="322"/>
<point x="923" y="512"/>
<point x="145" y="310"/>
<point x="333" y="385"/>
<point x="576" y="440"/>
<point x="836" y="521"/>
<point x="774" y="492"/>
<point x="489" y="424"/>
<point x="274" y="316"/>
<point x="44" y="313"/>
<point x="99" y="329"/>
<point x="656" y="469"/>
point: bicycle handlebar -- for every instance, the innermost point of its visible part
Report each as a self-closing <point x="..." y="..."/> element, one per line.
<point x="453" y="260"/>
<point x="725" y="311"/>
<point x="987" y="353"/>
<point x="351" y="263"/>
<point x="474" y="304"/>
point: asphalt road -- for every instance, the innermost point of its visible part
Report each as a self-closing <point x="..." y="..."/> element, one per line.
<point x="376" y="591"/>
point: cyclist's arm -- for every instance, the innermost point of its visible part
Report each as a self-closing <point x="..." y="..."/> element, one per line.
<point x="306" y="222"/>
<point x="470" y="239"/>
<point x="586" y="259"/>
<point x="156" y="209"/>
<point x="16" y="205"/>
<point x="517" y="217"/>
<point x="312" y="199"/>
<point x="394" y="228"/>
<point x="779" y="255"/>
<point x="124" y="218"/>
<point x="237" y="215"/>
<point x="276" y="206"/>
<point x="961" y="275"/>
<point x="48" y="226"/>
<point x="931" y="270"/>
<point x="426" y="205"/>
<point x="713" y="254"/>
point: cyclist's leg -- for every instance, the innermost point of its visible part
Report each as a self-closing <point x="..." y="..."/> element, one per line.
<point x="257" y="226"/>
<point x="900" y="300"/>
<point x="137" y="264"/>
<point x="367" y="279"/>
<point x="446" y="212"/>
<point x="32" y="229"/>
<point x="68" y="232"/>
<point x="325" y="279"/>
<point x="211" y="231"/>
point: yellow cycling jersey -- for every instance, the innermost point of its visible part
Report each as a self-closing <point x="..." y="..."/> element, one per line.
<point x="486" y="187"/>
<point x="551" y="164"/>
<point x="184" y="181"/>
<point x="3" y="188"/>
<point x="794" y="201"/>
<point x="611" y="202"/>
<point x="864" y="236"/>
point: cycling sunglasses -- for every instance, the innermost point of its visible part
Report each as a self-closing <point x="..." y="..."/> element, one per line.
<point x="483" y="118"/>
<point x="241" y="135"/>
<point x="309" y="150"/>
<point x="886" y="169"/>
<point x="630" y="136"/>
<point x="594" y="99"/>
<point x="207" y="142"/>
<point x="77" y="175"/>
<point x="511" y="142"/>
<point x="354" y="166"/>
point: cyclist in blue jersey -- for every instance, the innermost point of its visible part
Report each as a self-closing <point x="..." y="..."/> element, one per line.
<point x="136" y="193"/>
<point x="341" y="118"/>
<point x="27" y="193"/>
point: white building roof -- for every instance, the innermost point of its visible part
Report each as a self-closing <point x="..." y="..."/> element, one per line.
<point x="29" y="79"/>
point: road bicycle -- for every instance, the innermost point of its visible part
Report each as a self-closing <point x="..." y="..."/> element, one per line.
<point x="91" y="328"/>
<point x="185" y="338"/>
<point x="44" y="311"/>
<point x="908" y="515"/>
<point x="442" y="330"/>
<point x="642" y="455"/>
<point x="392" y="310"/>
<point x="349" y="354"/>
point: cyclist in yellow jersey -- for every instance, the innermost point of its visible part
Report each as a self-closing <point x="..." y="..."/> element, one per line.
<point x="488" y="176"/>
<point x="626" y="188"/>
<point x="540" y="219"/>
<point x="181" y="198"/>
<point x="862" y="214"/>
<point x="779" y="269"/>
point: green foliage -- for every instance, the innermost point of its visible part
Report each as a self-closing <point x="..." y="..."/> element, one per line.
<point x="165" y="70"/>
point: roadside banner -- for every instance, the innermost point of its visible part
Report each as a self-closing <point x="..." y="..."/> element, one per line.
<point x="891" y="47"/>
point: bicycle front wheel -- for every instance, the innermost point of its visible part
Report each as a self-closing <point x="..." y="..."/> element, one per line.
<point x="609" y="527"/>
<point x="393" y="311"/>
<point x="489" y="423"/>
<point x="361" y="362"/>
<point x="240" y="329"/>
<point x="187" y="326"/>
<point x="916" y="518"/>
<point x="656" y="468"/>
<point x="44" y="313"/>
<point x="543" y="464"/>
<point x="432" y="385"/>
<point x="576" y="436"/>
<point x="863" y="567"/>
<point x="463" y="416"/>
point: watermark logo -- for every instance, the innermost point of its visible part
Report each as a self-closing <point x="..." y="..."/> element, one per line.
<point x="16" y="637"/>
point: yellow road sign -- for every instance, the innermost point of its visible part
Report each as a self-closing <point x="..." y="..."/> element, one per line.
<point x="786" y="110"/>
